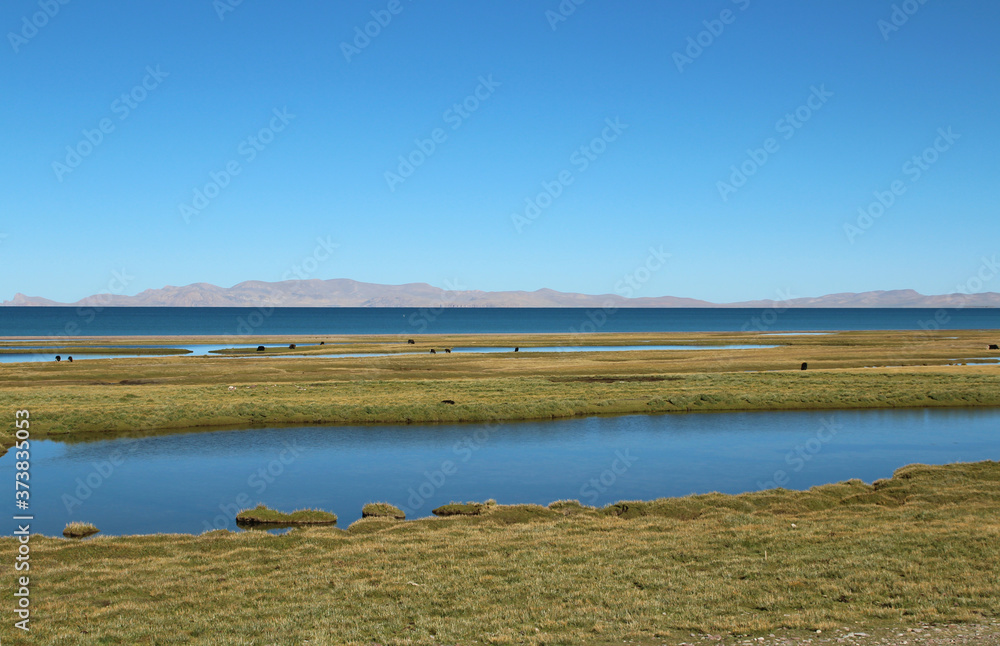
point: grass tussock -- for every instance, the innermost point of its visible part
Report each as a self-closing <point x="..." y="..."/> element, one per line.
<point x="79" y="530"/>
<point x="782" y="562"/>
<point x="382" y="510"/>
<point x="262" y="515"/>
<point x="460" y="509"/>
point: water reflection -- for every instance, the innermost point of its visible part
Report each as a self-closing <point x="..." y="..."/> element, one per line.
<point x="194" y="482"/>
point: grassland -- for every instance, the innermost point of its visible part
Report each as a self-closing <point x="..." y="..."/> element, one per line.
<point x="919" y="548"/>
<point x="139" y="395"/>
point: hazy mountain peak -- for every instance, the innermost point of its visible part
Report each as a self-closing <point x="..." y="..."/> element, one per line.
<point x="344" y="292"/>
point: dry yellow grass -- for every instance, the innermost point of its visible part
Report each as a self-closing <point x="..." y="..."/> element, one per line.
<point x="148" y="394"/>
<point x="921" y="547"/>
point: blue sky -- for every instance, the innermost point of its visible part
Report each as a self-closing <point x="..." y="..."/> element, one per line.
<point x="695" y="89"/>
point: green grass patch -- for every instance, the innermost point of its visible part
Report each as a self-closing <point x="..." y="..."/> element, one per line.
<point x="847" y="370"/>
<point x="382" y="510"/>
<point x="262" y="515"/>
<point x="459" y="509"/>
<point x="79" y="530"/>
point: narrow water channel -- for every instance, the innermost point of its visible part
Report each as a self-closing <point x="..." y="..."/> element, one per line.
<point x="193" y="482"/>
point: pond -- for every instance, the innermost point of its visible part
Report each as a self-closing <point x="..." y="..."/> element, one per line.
<point x="194" y="482"/>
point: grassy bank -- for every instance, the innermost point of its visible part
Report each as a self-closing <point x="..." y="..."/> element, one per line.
<point x="921" y="547"/>
<point x="262" y="515"/>
<point x="846" y="370"/>
<point x="79" y="530"/>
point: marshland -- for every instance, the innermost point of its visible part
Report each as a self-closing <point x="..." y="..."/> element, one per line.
<point x="914" y="547"/>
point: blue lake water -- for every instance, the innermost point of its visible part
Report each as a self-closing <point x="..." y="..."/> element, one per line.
<point x="115" y="321"/>
<point x="193" y="482"/>
<point x="34" y="353"/>
<point x="205" y="350"/>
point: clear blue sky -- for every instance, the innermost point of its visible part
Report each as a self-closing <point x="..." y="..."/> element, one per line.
<point x="218" y="75"/>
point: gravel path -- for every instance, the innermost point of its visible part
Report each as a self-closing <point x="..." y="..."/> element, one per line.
<point x="979" y="634"/>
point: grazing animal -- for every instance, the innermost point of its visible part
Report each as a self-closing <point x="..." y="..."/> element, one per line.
<point x="447" y="401"/>
<point x="291" y="347"/>
<point x="804" y="365"/>
<point x="433" y="351"/>
<point x="322" y="342"/>
<point x="517" y="349"/>
<point x="447" y="350"/>
<point x="411" y="341"/>
<point x="260" y="348"/>
<point x="994" y="346"/>
<point x="70" y="359"/>
<point x="58" y="357"/>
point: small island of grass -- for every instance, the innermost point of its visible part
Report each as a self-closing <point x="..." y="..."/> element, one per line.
<point x="382" y="510"/>
<point x="459" y="509"/>
<point x="79" y="530"/>
<point x="262" y="515"/>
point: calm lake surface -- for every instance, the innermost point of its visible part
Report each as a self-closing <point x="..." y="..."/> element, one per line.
<point x="132" y="321"/>
<point x="204" y="350"/>
<point x="194" y="482"/>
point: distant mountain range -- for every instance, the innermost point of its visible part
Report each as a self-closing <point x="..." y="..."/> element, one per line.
<point x="349" y="293"/>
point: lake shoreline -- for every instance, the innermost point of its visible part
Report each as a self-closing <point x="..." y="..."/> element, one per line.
<point x="840" y="557"/>
<point x="846" y="371"/>
<point x="419" y="469"/>
<point x="102" y="435"/>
